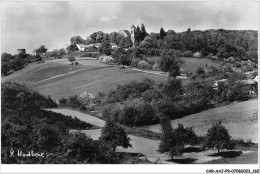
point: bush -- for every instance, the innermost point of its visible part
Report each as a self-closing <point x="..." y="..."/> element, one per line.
<point x="135" y="62"/>
<point x="133" y="89"/>
<point x="238" y="91"/>
<point x="74" y="102"/>
<point x="137" y="113"/>
<point x="187" y="54"/>
<point x="91" y="54"/>
<point x="63" y="102"/>
<point x="156" y="67"/>
<point x="144" y="65"/>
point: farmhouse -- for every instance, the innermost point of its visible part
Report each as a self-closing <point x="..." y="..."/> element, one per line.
<point x="83" y="47"/>
<point x="114" y="46"/>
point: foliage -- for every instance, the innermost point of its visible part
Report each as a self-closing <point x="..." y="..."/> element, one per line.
<point x="27" y="126"/>
<point x="167" y="62"/>
<point x="144" y="65"/>
<point x="218" y="137"/>
<point x="162" y="33"/>
<point x="71" y="58"/>
<point x="105" y="48"/>
<point x="133" y="89"/>
<point x="124" y="59"/>
<point x="114" y="136"/>
<point x="72" y="48"/>
<point x="174" y="140"/>
<point x="137" y="113"/>
<point x="42" y="49"/>
<point x="147" y="42"/>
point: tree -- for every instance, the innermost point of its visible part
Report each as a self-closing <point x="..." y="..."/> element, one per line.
<point x="173" y="88"/>
<point x="175" y="70"/>
<point x="76" y="40"/>
<point x="5" y="68"/>
<point x="147" y="42"/>
<point x="41" y="49"/>
<point x="114" y="135"/>
<point x="143" y="33"/>
<point x="71" y="59"/>
<point x="200" y="71"/>
<point x="105" y="48"/>
<point x="123" y="60"/>
<point x="72" y="48"/>
<point x="138" y="34"/>
<point x="81" y="147"/>
<point x="188" y="31"/>
<point x="162" y="33"/>
<point x="125" y="42"/>
<point x="218" y="137"/>
<point x="168" y="63"/>
<point x="174" y="140"/>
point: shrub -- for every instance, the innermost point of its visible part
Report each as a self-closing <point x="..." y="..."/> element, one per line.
<point x="135" y="62"/>
<point x="156" y="67"/>
<point x="137" y="113"/>
<point x="237" y="91"/>
<point x="63" y="101"/>
<point x="187" y="54"/>
<point x="71" y="59"/>
<point x="144" y="65"/>
<point x="74" y="102"/>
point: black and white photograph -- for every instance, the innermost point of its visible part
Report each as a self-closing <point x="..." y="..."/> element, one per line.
<point x="154" y="83"/>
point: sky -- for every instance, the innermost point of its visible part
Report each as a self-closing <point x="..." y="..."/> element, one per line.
<point x="31" y="24"/>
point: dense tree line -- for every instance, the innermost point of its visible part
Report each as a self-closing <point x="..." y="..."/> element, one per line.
<point x="10" y="63"/>
<point x="240" y="44"/>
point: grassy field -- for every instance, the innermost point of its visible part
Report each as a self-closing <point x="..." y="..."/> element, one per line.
<point x="93" y="78"/>
<point x="241" y="120"/>
<point x="192" y="64"/>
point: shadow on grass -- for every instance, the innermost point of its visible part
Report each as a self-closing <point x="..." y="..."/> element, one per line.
<point x="183" y="161"/>
<point x="131" y="154"/>
<point x="228" y="154"/>
<point x="192" y="149"/>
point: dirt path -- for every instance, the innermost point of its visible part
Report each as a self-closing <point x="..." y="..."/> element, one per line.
<point x="241" y="120"/>
<point x="60" y="75"/>
<point x="82" y="116"/>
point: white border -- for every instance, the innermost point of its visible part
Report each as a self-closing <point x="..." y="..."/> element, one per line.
<point x="121" y="168"/>
<point x="127" y="168"/>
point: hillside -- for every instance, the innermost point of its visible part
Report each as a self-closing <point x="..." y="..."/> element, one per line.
<point x="241" y="120"/>
<point x="89" y="76"/>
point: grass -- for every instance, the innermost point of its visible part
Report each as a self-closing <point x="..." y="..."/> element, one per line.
<point x="192" y="64"/>
<point x="240" y="119"/>
<point x="93" y="79"/>
<point x="237" y="157"/>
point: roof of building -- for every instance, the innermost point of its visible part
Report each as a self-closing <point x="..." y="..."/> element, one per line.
<point x="97" y="44"/>
<point x="81" y="45"/>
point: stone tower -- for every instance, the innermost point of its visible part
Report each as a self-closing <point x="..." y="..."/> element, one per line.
<point x="132" y="32"/>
